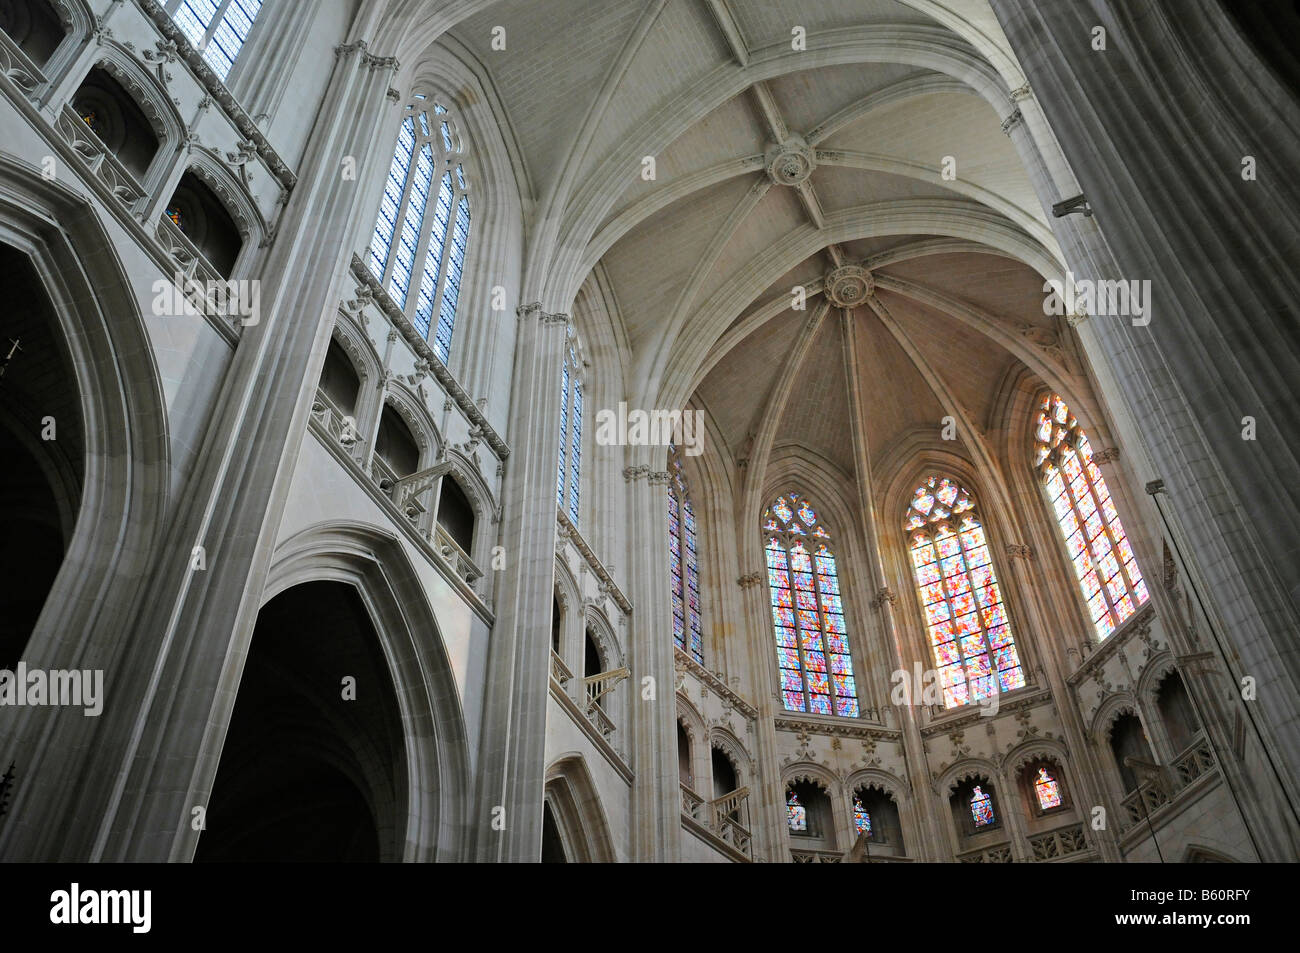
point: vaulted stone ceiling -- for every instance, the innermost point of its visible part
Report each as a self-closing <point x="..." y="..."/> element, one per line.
<point x="774" y="166"/>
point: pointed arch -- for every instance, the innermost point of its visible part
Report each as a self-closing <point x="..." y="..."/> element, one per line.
<point x="578" y="812"/>
<point x="375" y="561"/>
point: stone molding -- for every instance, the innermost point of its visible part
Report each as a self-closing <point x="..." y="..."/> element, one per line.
<point x="568" y="530"/>
<point x="468" y="407"/>
<point x="218" y="91"/>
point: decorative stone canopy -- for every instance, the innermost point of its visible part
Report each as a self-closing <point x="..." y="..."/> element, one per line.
<point x="791" y="162"/>
<point x="849" y="285"/>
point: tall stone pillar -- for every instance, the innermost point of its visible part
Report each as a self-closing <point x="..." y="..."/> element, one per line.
<point x="124" y="786"/>
<point x="512" y="758"/>
<point x="1182" y="141"/>
<point x="656" y="798"/>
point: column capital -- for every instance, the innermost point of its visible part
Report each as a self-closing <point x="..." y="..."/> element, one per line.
<point x="632" y="474"/>
<point x="1020" y="551"/>
<point x="882" y="596"/>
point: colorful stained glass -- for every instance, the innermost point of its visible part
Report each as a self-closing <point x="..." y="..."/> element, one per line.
<point x="861" y="819"/>
<point x="1088" y="517"/>
<point x="960" y="596"/>
<point x="816" y="667"/>
<point x="981" y="808"/>
<point x="1048" y="790"/>
<point x="796" y="813"/>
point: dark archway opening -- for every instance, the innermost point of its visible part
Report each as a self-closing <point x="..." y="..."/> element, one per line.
<point x="339" y="380"/>
<point x="204" y="220"/>
<point x="42" y="446"/>
<point x="456" y="515"/>
<point x="1177" y="712"/>
<point x="34" y="26"/>
<point x="552" y="845"/>
<point x="117" y="120"/>
<point x="395" y="445"/>
<point x="311" y="770"/>
<point x="1128" y="742"/>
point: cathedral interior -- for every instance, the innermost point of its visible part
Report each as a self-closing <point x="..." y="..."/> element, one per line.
<point x="729" y="431"/>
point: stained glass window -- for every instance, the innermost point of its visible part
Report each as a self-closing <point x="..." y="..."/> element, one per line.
<point x="1048" y="790"/>
<point x="683" y="561"/>
<point x="422" y="228"/>
<point x="796" y="813"/>
<point x="981" y="808"/>
<point x="1104" y="563"/>
<point x="568" y="474"/>
<point x="812" y="642"/>
<point x="970" y="633"/>
<point x="861" y="819"/>
<point x="217" y="28"/>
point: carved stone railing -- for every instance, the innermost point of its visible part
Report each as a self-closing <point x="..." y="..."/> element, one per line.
<point x="1145" y="801"/>
<point x="807" y="856"/>
<point x="99" y="158"/>
<point x="1197" y="759"/>
<point x="1155" y="793"/>
<point x="18" y="68"/>
<point x="1061" y="842"/>
<point x="459" y="560"/>
<point x="340" y="426"/>
<point x="600" y="685"/>
<point x="729" y="818"/>
<point x="692" y="804"/>
<point x="189" y="261"/>
<point x="997" y="854"/>
<point x="384" y="476"/>
<point x="559" y="671"/>
<point x="602" y="722"/>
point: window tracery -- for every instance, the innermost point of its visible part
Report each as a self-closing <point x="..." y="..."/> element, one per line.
<point x="683" y="561"/>
<point x="217" y="28"/>
<point x="812" y="641"/>
<point x="1104" y="564"/>
<point x="424" y="220"/>
<point x="970" y="634"/>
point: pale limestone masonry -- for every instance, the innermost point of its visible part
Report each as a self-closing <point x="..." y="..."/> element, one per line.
<point x="334" y="581"/>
